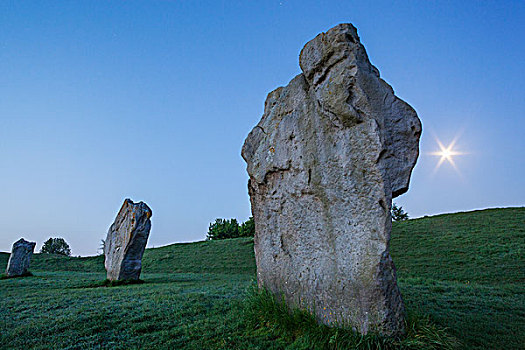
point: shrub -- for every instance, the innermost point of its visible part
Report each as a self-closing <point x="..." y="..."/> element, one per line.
<point x="247" y="228"/>
<point x="56" y="246"/>
<point x="398" y="214"/>
<point x="102" y="247"/>
<point x="223" y="228"/>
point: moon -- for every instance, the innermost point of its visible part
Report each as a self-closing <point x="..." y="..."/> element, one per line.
<point x="446" y="153"/>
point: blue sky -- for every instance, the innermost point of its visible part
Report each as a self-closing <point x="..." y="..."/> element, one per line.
<point x="152" y="100"/>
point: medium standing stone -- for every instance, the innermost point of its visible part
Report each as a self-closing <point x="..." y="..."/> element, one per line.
<point x="331" y="151"/>
<point x="20" y="258"/>
<point x="126" y="241"/>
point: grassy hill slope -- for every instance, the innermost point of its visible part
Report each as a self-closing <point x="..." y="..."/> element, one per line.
<point x="464" y="270"/>
<point x="227" y="256"/>
<point x="467" y="271"/>
<point x="484" y="246"/>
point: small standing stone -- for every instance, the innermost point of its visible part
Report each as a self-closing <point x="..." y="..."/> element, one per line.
<point x="20" y="258"/>
<point x="126" y="241"/>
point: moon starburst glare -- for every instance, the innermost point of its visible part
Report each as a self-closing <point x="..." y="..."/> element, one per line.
<point x="447" y="154"/>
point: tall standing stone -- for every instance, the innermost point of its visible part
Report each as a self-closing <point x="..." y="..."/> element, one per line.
<point x="332" y="149"/>
<point x="20" y="258"/>
<point x="126" y="241"/>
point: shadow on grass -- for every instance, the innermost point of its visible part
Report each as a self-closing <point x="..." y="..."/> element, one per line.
<point x="108" y="284"/>
<point x="5" y="277"/>
<point x="148" y="281"/>
<point x="178" y="278"/>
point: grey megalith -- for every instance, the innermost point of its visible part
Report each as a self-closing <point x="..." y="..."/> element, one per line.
<point x="331" y="150"/>
<point x="20" y="258"/>
<point x="126" y="241"/>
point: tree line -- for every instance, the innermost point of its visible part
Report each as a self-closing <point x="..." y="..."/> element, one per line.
<point x="230" y="228"/>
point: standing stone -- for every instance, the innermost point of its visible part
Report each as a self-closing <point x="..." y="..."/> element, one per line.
<point x="126" y="241"/>
<point x="20" y="258"/>
<point x="332" y="149"/>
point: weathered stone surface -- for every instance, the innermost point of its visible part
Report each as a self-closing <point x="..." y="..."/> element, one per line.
<point x="20" y="258"/>
<point x="331" y="150"/>
<point x="126" y="241"/>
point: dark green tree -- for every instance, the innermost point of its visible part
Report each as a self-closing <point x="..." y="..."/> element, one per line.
<point x="398" y="214"/>
<point x="222" y="229"/>
<point x="247" y="228"/>
<point x="102" y="246"/>
<point x="56" y="246"/>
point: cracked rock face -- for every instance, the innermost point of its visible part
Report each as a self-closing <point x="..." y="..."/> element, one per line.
<point x="331" y="150"/>
<point x="20" y="258"/>
<point x="126" y="241"/>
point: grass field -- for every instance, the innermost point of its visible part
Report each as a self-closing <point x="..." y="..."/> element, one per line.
<point x="466" y="271"/>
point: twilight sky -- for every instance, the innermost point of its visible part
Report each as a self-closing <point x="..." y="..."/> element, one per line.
<point x="152" y="100"/>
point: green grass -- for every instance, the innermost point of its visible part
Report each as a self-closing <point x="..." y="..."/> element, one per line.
<point x="465" y="271"/>
<point x="267" y="314"/>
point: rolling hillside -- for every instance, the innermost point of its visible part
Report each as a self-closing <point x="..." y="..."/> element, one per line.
<point x="464" y="270"/>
